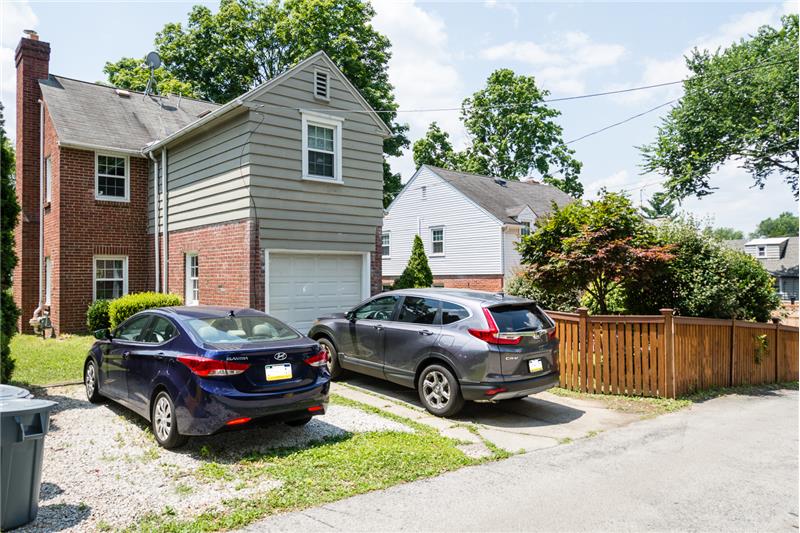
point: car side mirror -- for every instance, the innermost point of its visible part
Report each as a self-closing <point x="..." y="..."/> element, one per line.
<point x="351" y="316"/>
<point x="103" y="334"/>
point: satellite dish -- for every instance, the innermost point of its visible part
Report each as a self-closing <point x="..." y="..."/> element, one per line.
<point x="153" y="60"/>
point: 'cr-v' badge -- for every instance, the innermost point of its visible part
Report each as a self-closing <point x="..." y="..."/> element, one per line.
<point x="280" y="356"/>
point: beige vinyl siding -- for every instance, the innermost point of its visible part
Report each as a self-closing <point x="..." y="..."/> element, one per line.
<point x="208" y="176"/>
<point x="773" y="251"/>
<point x="472" y="237"/>
<point x="298" y="214"/>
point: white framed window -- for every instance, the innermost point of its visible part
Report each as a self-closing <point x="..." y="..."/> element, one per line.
<point x="192" y="279"/>
<point x="437" y="240"/>
<point x="762" y="251"/>
<point x="525" y="228"/>
<point x="110" y="274"/>
<point x="48" y="180"/>
<point x="386" y="244"/>
<point x="48" y="280"/>
<point x="111" y="178"/>
<point x="322" y="147"/>
<point x="322" y="88"/>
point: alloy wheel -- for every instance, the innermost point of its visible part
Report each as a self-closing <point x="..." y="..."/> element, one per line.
<point x="436" y="389"/>
<point x="90" y="380"/>
<point x="163" y="418"/>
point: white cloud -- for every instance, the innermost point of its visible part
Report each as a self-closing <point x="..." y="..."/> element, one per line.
<point x="560" y="64"/>
<point x="507" y="6"/>
<point x="14" y="17"/>
<point x="422" y="70"/>
<point x="673" y="69"/>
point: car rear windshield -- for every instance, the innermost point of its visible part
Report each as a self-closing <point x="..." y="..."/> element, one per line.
<point x="519" y="318"/>
<point x="241" y="329"/>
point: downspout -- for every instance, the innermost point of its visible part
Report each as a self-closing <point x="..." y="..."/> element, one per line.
<point x="38" y="311"/>
<point x="165" y="227"/>
<point x="157" y="254"/>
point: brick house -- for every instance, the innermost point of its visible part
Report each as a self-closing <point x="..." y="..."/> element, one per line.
<point x="469" y="225"/>
<point x="271" y="201"/>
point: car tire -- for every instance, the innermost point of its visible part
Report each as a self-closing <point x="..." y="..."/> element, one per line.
<point x="439" y="391"/>
<point x="90" y="381"/>
<point x="335" y="369"/>
<point x="299" y="422"/>
<point x="164" y="423"/>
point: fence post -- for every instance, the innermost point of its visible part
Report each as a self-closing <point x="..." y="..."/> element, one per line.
<point x="733" y="352"/>
<point x="583" y="348"/>
<point x="777" y="322"/>
<point x="669" y="351"/>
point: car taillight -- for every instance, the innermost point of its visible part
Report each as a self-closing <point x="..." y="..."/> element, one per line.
<point x="551" y="334"/>
<point x="318" y="359"/>
<point x="205" y="367"/>
<point x="492" y="335"/>
<point x="493" y="392"/>
<point x="237" y="421"/>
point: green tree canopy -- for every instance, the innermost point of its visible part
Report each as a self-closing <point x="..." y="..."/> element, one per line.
<point x="724" y="234"/>
<point x="740" y="105"/>
<point x="593" y="247"/>
<point x="246" y="42"/>
<point x="434" y="149"/>
<point x="784" y="225"/>
<point x="9" y="211"/>
<point x="417" y="273"/>
<point x="133" y="74"/>
<point x="660" y="206"/>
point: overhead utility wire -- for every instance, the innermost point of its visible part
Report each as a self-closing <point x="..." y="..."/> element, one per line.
<point x="623" y="121"/>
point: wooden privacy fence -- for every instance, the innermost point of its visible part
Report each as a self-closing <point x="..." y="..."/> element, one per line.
<point x="667" y="356"/>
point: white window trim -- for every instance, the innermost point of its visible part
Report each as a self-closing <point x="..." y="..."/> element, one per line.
<point x="48" y="182"/>
<point x="759" y="250"/>
<point x="124" y="259"/>
<point x="327" y="96"/>
<point x="388" y="234"/>
<point x="444" y="239"/>
<point x="326" y="121"/>
<point x="187" y="279"/>
<point x="127" y="177"/>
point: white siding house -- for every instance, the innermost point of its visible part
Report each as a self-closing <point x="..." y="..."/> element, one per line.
<point x="469" y="225"/>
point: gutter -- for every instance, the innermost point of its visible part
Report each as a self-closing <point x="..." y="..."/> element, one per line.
<point x="165" y="234"/>
<point x="98" y="147"/>
<point x="156" y="255"/>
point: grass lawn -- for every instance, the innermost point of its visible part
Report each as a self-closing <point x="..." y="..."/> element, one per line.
<point x="48" y="361"/>
<point x="323" y="472"/>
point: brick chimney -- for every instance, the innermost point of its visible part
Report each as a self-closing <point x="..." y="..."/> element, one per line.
<point x="33" y="64"/>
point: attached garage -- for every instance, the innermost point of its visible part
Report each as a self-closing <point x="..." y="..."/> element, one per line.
<point x="304" y="286"/>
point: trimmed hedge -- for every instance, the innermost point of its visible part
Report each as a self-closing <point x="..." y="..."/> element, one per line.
<point x="97" y="315"/>
<point x="122" y="308"/>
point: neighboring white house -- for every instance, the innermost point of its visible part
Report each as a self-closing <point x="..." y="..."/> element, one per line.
<point x="469" y="224"/>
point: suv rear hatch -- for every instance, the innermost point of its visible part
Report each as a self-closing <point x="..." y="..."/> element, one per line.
<point x="527" y="343"/>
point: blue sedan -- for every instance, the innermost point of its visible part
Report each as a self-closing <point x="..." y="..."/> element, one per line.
<point x="200" y="370"/>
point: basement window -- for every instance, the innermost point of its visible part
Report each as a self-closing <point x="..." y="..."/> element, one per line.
<point x="110" y="276"/>
<point x="111" y="178"/>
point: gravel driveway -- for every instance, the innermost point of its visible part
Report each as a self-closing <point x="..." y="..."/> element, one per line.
<point x="102" y="468"/>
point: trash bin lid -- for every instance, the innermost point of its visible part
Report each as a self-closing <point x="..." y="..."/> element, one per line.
<point x="10" y="392"/>
<point x="21" y="406"/>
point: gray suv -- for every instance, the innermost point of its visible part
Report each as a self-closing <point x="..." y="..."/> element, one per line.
<point x="449" y="344"/>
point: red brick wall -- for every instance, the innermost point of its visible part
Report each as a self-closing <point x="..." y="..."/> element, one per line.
<point x="376" y="270"/>
<point x="32" y="60"/>
<point x="488" y="282"/>
<point x="231" y="270"/>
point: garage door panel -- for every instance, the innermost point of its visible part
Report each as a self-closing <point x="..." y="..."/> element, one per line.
<point x="303" y="287"/>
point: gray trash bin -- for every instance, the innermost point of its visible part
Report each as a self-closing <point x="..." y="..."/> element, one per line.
<point x="24" y="422"/>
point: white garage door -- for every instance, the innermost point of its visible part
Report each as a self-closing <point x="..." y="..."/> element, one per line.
<point x="303" y="287"/>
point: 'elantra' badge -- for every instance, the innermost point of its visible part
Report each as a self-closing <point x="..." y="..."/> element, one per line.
<point x="280" y="356"/>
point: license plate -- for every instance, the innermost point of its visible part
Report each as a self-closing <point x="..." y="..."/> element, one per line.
<point x="278" y="372"/>
<point x="535" y="365"/>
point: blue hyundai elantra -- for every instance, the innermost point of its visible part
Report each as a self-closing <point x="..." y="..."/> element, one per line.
<point x="199" y="370"/>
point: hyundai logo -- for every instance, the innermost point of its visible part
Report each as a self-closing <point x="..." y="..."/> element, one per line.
<point x="280" y="356"/>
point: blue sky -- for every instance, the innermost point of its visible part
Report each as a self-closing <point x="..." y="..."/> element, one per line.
<point x="443" y="51"/>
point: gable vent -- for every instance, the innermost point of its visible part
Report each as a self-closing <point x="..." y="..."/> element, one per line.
<point x="321" y="85"/>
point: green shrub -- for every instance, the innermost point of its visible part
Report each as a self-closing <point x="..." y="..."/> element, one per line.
<point x="97" y="315"/>
<point x="122" y="308"/>
<point x="417" y="274"/>
<point x="524" y="286"/>
<point x="9" y="209"/>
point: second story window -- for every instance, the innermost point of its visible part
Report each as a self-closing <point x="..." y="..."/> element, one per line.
<point x="111" y="178"/>
<point x="762" y="251"/>
<point x="437" y="241"/>
<point x="525" y="229"/>
<point x="322" y="147"/>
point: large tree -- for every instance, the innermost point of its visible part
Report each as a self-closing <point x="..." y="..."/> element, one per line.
<point x="595" y="247"/>
<point x="513" y="133"/>
<point x="660" y="206"/>
<point x="724" y="234"/>
<point x="246" y="42"/>
<point x="740" y="105"/>
<point x="434" y="149"/>
<point x="9" y="210"/>
<point x="784" y="225"/>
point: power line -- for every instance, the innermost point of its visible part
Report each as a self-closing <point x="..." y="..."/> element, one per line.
<point x="615" y="124"/>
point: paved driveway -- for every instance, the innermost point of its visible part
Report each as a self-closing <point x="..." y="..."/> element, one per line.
<point x="729" y="464"/>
